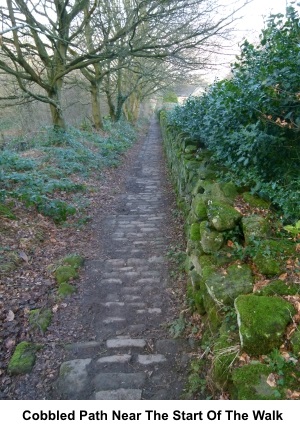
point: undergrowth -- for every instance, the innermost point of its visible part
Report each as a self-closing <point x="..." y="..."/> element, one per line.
<point x="48" y="168"/>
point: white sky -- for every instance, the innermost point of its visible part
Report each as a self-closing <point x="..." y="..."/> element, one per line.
<point x="249" y="27"/>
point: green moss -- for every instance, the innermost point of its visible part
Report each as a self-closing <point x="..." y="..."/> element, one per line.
<point x="229" y="190"/>
<point x="222" y="216"/>
<point x="211" y="240"/>
<point x="66" y="289"/>
<point x="271" y="256"/>
<point x="256" y="201"/>
<point x="195" y="232"/>
<point x="208" y="266"/>
<point x="279" y="288"/>
<point x="250" y="382"/>
<point x="65" y="273"/>
<point x="199" y="207"/>
<point x="23" y="359"/>
<point x="295" y="342"/>
<point x="224" y="287"/>
<point x="262" y="322"/>
<point x="195" y="300"/>
<point x="40" y="319"/>
<point x="254" y="228"/>
<point x="73" y="260"/>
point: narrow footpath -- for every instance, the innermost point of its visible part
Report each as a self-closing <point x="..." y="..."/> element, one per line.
<point x="128" y="298"/>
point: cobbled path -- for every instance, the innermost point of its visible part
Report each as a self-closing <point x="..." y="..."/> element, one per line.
<point x="132" y="356"/>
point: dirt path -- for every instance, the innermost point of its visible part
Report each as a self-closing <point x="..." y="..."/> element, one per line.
<point x="127" y="299"/>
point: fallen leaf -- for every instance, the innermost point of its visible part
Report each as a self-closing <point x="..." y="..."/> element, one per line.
<point x="283" y="276"/>
<point x="271" y="380"/>
<point x="230" y="244"/>
<point x="244" y="358"/>
<point x="292" y="394"/>
<point x="55" y="308"/>
<point x="10" y="316"/>
<point x="260" y="284"/>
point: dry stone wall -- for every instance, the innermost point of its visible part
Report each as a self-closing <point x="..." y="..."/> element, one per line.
<point x="228" y="252"/>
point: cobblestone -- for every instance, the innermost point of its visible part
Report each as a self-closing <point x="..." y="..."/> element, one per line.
<point x="129" y="302"/>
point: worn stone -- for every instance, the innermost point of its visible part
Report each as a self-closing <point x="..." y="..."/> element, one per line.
<point x="151" y="359"/>
<point x="262" y="322"/>
<point x="271" y="256"/>
<point x="211" y="240"/>
<point x="125" y="343"/>
<point x="255" y="227"/>
<point x="120" y="394"/>
<point x="222" y="216"/>
<point x="73" y="376"/>
<point x="224" y="287"/>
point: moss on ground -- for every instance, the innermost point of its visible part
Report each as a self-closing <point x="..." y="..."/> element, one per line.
<point x="65" y="273"/>
<point x="66" y="289"/>
<point x="73" y="260"/>
<point x="23" y="358"/>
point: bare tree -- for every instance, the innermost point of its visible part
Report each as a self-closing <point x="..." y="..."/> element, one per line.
<point x="42" y="40"/>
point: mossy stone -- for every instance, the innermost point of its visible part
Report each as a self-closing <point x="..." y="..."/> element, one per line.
<point x="65" y="273"/>
<point x="271" y="256"/>
<point x="255" y="227"/>
<point x="66" y="289"/>
<point x="23" y="358"/>
<point x="207" y="266"/>
<point x="194" y="248"/>
<point x="225" y="287"/>
<point x="255" y="201"/>
<point x="195" y="232"/>
<point x="262" y="322"/>
<point x="74" y="260"/>
<point x="229" y="190"/>
<point x="198" y="207"/>
<point x="222" y="216"/>
<point x="211" y="240"/>
<point x="279" y="288"/>
<point x="40" y="319"/>
<point x="250" y="382"/>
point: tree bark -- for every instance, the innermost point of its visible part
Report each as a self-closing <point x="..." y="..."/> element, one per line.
<point x="96" y="110"/>
<point x="54" y="94"/>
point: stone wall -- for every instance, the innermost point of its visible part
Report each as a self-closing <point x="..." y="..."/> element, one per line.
<point x="238" y="277"/>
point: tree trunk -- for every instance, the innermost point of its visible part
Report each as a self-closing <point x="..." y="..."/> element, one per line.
<point x="96" y="111"/>
<point x="111" y="107"/>
<point x="54" y="94"/>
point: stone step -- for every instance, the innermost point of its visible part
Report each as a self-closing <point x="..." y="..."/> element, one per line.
<point x="120" y="394"/>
